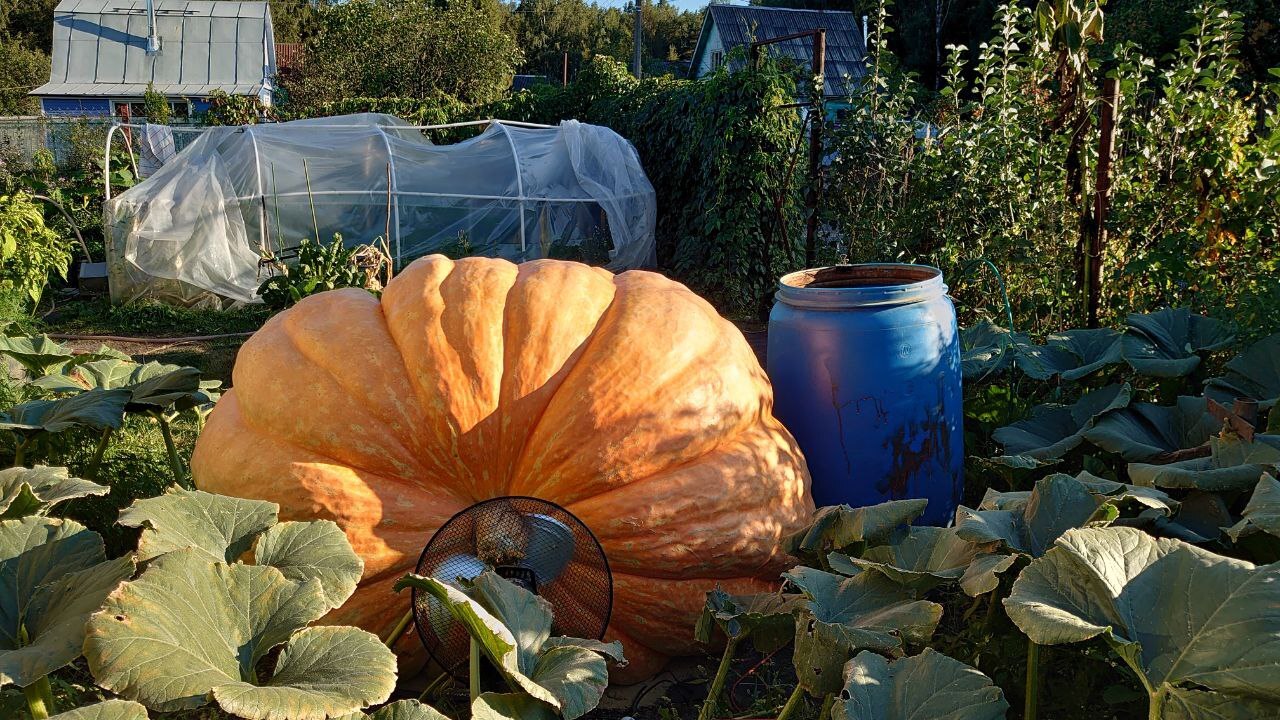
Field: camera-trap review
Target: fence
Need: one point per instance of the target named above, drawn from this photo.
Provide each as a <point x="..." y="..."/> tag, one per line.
<point x="71" y="141"/>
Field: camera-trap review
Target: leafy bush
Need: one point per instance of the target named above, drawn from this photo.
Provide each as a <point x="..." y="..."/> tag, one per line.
<point x="318" y="268"/>
<point x="1003" y="168"/>
<point x="29" y="251"/>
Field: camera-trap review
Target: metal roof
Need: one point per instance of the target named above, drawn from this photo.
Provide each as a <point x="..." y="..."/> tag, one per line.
<point x="740" y="25"/>
<point x="100" y="48"/>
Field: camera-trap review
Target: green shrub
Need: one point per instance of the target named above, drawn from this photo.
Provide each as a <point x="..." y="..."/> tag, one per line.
<point x="319" y="267"/>
<point x="29" y="251"/>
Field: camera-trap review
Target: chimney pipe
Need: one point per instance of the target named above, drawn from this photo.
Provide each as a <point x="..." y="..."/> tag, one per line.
<point x="153" y="39"/>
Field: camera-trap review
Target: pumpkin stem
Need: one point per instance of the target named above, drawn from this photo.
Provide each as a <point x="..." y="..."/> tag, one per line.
<point x="1031" y="697"/>
<point x="473" y="674"/>
<point x="397" y="630"/>
<point x="39" y="696"/>
<point x="793" y="702"/>
<point x="717" y="684"/>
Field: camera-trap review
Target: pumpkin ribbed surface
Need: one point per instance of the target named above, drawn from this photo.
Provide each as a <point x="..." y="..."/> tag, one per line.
<point x="627" y="399"/>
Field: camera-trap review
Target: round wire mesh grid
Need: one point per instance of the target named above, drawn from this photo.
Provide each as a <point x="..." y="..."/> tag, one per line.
<point x="532" y="542"/>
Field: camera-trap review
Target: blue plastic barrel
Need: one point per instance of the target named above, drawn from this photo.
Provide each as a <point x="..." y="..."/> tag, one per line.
<point x="865" y="365"/>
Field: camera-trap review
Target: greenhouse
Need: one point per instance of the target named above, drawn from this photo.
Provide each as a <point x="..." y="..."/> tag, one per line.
<point x="199" y="229"/>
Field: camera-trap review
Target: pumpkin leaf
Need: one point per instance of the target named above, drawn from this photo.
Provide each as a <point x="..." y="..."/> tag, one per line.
<point x="527" y="616"/>
<point x="921" y="558"/>
<point x="318" y="549"/>
<point x="1143" y="431"/>
<point x="108" y="710"/>
<point x="611" y="650"/>
<point x="843" y="615"/>
<point x="1092" y="350"/>
<point x="928" y="686"/>
<point x="1262" y="514"/>
<point x="32" y="491"/>
<point x="222" y="527"/>
<point x="1253" y="374"/>
<point x="153" y="386"/>
<point x="98" y="409"/>
<point x="768" y="618"/>
<point x="986" y="349"/>
<point x="53" y="575"/>
<point x="320" y="672"/>
<point x="510" y="706"/>
<point x="1054" y="430"/>
<point x="1057" y="504"/>
<point x="1234" y="465"/>
<point x="36" y="354"/>
<point x="1043" y="362"/>
<point x="1184" y="619"/>
<point x="1167" y="343"/>
<point x="576" y="676"/>
<point x="191" y="627"/>
<point x="494" y="638"/>
<point x="840" y="527"/>
<point x="399" y="710"/>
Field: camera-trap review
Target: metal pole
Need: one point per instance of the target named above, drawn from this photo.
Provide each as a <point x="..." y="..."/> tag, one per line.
<point x="638" y="36"/>
<point x="564" y="70"/>
<point x="817" y="118"/>
<point x="1101" y="197"/>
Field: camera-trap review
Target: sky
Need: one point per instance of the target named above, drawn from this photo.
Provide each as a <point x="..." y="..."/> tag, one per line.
<point x="682" y="4"/>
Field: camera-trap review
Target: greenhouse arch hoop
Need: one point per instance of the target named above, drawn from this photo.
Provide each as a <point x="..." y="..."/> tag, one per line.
<point x="516" y="190"/>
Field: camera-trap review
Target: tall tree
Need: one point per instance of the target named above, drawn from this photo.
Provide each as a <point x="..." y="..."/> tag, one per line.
<point x="407" y="48"/>
<point x="21" y="69"/>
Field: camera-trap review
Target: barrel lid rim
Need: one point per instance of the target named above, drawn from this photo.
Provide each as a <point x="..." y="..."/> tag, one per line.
<point x="906" y="283"/>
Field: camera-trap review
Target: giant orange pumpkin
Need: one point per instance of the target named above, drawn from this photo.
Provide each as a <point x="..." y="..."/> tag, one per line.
<point x="626" y="399"/>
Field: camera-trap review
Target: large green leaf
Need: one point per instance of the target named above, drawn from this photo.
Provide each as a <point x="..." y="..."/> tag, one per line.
<point x="768" y="618"/>
<point x="1168" y="343"/>
<point x="37" y="354"/>
<point x="840" y="527"/>
<point x="526" y="616"/>
<point x="153" y="386"/>
<point x="1253" y="374"/>
<point x="1233" y="465"/>
<point x="32" y="491"/>
<point x="1184" y="619"/>
<point x="318" y="549"/>
<point x="399" y="710"/>
<point x="98" y="409"/>
<point x="1262" y="514"/>
<point x="1057" y="504"/>
<point x="222" y="527"/>
<point x="1143" y="431"/>
<point x="986" y="349"/>
<point x="495" y="640"/>
<point x="576" y="676"/>
<point x="843" y="615"/>
<point x="109" y="710"/>
<point x="510" y="706"/>
<point x="191" y="628"/>
<point x="1054" y="430"/>
<point x="53" y="575"/>
<point x="1091" y="350"/>
<point x="928" y="686"/>
<point x="921" y="558"/>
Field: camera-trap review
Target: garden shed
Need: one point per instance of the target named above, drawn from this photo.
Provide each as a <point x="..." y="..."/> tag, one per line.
<point x="197" y="229"/>
<point x="107" y="52"/>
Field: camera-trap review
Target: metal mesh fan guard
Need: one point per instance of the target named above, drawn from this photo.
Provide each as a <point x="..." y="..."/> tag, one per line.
<point x="581" y="593"/>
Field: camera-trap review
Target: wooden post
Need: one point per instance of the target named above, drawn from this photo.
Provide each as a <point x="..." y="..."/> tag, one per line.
<point x="817" y="118"/>
<point x="638" y="37"/>
<point x="1101" y="198"/>
<point x="564" y="70"/>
